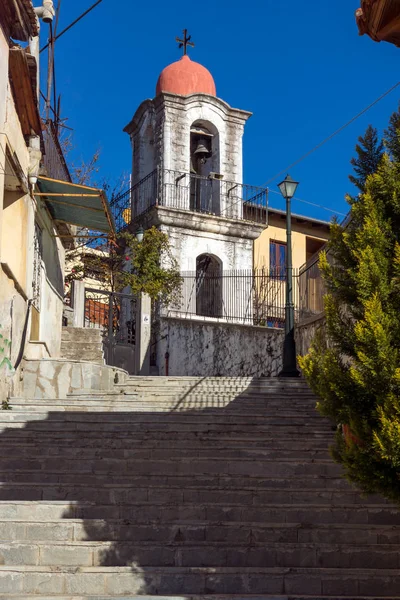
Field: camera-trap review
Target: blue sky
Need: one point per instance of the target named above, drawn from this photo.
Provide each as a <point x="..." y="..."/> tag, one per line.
<point x="300" y="67"/>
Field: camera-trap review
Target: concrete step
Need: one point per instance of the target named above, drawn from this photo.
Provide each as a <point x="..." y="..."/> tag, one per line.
<point x="207" y="597"/>
<point x="118" y="581"/>
<point x="144" y="452"/>
<point x="86" y="354"/>
<point x="68" y="333"/>
<point x="120" y="406"/>
<point x="199" y="554"/>
<point x="89" y="345"/>
<point x="134" y="403"/>
<point x="197" y="421"/>
<point x="59" y="485"/>
<point x="33" y="486"/>
<point x="246" y="535"/>
<point x="25" y="510"/>
<point x="173" y="466"/>
<point x="227" y="420"/>
<point x="209" y="516"/>
<point x="72" y="438"/>
<point x="60" y="440"/>
<point x="263" y="514"/>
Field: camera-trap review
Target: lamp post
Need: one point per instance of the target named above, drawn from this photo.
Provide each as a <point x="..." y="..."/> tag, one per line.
<point x="140" y="234"/>
<point x="288" y="189"/>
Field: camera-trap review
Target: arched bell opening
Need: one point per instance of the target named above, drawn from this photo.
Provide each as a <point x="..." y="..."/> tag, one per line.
<point x="209" y="271"/>
<point x="204" y="168"/>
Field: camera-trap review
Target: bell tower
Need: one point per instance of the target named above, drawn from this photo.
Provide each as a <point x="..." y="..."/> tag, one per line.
<point x="187" y="169"/>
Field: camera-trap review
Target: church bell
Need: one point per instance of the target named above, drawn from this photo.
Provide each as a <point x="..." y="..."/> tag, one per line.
<point x="203" y="149"/>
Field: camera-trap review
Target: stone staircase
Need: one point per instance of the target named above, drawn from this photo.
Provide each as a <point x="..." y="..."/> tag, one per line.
<point x="186" y="488"/>
<point x="80" y="343"/>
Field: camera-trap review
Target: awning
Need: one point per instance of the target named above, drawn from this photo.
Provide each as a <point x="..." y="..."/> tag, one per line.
<point x="77" y="204"/>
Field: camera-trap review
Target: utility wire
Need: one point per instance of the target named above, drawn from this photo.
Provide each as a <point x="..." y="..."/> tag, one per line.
<point x="72" y="24"/>
<point x="334" y="134"/>
<point x="325" y="141"/>
<point x="335" y="212"/>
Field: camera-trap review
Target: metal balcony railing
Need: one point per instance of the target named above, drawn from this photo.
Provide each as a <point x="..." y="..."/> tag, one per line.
<point x="53" y="157"/>
<point x="192" y="193"/>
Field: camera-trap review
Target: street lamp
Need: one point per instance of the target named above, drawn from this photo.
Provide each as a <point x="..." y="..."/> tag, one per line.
<point x="140" y="234"/>
<point x="288" y="189"/>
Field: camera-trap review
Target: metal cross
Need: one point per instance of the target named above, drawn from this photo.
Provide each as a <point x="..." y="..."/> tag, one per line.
<point x="185" y="42"/>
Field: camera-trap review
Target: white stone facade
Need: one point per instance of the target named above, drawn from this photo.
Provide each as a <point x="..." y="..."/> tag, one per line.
<point x="160" y="134"/>
<point x="198" y="202"/>
<point x="161" y="140"/>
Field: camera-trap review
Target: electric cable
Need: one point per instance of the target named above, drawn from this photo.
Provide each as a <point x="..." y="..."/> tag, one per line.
<point x="334" y="134"/>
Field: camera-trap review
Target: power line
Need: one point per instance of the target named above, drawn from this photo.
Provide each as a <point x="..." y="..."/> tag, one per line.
<point x="334" y="134"/>
<point x="72" y="24"/>
<point x="335" y="212"/>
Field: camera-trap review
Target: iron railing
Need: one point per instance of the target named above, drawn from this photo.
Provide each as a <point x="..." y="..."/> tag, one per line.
<point x="190" y="192"/>
<point x="312" y="289"/>
<point x="253" y="297"/>
<point x="111" y="312"/>
<point x="53" y="157"/>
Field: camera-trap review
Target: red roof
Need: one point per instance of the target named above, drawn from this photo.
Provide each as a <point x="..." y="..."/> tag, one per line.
<point x="186" y="77"/>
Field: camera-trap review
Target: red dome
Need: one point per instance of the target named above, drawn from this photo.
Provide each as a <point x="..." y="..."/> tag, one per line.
<point x="186" y="77"/>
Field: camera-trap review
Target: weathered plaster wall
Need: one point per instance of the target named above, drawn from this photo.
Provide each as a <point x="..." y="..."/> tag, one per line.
<point x="187" y="245"/>
<point x="306" y="331"/>
<point x="4" y="53"/>
<point x="199" y="348"/>
<point x="48" y="378"/>
<point x="52" y="289"/>
<point x="18" y="213"/>
<point x="12" y="318"/>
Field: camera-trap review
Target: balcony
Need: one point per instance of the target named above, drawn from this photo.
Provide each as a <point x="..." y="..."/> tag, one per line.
<point x="189" y="192"/>
<point x="54" y="162"/>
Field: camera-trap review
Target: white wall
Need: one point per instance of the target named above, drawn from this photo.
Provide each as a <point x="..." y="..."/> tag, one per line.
<point x="187" y="245"/>
<point x="210" y="349"/>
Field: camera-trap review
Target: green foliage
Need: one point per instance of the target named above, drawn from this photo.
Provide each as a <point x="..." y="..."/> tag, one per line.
<point x="4" y="347"/>
<point x="369" y="154"/>
<point x="392" y="138"/>
<point x="354" y="366"/>
<point x="147" y="275"/>
<point x="133" y="264"/>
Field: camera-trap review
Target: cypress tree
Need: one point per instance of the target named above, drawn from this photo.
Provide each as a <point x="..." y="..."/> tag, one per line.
<point x="354" y="365"/>
<point x="369" y="154"/>
<point x="392" y="136"/>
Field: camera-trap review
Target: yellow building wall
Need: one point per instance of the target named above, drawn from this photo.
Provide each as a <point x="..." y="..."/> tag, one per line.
<point x="276" y="231"/>
<point x="15" y="236"/>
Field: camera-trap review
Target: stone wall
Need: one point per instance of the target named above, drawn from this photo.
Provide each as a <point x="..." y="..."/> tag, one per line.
<point x="188" y="243"/>
<point x="305" y="333"/>
<point x="56" y="378"/>
<point x="13" y="309"/>
<point x="201" y="348"/>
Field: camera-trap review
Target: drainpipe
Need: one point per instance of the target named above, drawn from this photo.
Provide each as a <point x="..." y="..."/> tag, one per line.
<point x="167" y="364"/>
<point x="45" y="12"/>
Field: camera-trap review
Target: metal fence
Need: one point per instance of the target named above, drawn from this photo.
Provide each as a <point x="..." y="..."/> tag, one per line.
<point x="312" y="289"/>
<point x="190" y="192"/>
<point x="254" y="297"/>
<point x="53" y="157"/>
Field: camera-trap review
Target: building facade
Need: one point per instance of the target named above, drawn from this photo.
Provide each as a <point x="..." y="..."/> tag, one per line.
<point x="188" y="171"/>
<point x="31" y="256"/>
<point x="308" y="237"/>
